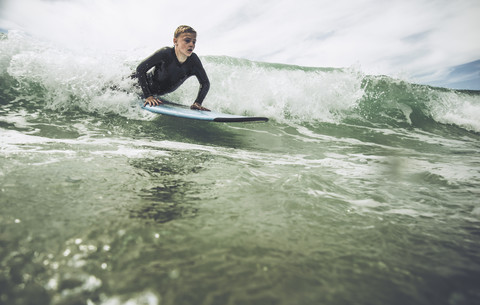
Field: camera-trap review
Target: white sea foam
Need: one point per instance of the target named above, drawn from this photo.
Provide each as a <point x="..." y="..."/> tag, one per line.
<point x="456" y="108"/>
<point x="146" y="298"/>
<point x="283" y="92"/>
<point x="14" y="142"/>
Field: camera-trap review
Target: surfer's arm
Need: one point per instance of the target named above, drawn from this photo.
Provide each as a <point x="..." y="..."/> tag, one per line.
<point x="142" y="69"/>
<point x="141" y="74"/>
<point x="203" y="80"/>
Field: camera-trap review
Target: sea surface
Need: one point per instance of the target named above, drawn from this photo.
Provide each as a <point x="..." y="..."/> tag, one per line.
<point x="360" y="189"/>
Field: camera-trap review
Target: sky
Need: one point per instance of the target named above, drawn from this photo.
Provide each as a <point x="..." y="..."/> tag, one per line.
<point x="424" y="41"/>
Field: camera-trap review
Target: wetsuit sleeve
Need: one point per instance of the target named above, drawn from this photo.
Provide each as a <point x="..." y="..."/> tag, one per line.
<point x="202" y="79"/>
<point x="143" y="68"/>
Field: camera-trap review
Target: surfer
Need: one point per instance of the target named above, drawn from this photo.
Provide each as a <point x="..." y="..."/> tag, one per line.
<point x="165" y="70"/>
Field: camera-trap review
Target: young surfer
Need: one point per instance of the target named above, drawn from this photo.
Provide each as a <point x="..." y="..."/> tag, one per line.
<point x="171" y="67"/>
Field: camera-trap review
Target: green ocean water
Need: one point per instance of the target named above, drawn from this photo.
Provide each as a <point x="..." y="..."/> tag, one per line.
<point x="359" y="190"/>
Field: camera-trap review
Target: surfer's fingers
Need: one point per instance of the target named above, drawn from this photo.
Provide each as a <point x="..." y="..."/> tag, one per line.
<point x="152" y="102"/>
<point x="197" y="106"/>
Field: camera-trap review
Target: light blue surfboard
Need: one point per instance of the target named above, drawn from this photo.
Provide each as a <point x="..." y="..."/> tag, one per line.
<point x="187" y="113"/>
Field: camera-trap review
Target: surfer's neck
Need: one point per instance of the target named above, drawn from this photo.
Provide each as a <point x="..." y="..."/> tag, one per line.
<point x="180" y="57"/>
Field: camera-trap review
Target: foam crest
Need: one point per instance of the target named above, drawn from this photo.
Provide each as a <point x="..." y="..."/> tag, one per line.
<point x="282" y="92"/>
<point x="66" y="79"/>
<point x="461" y="109"/>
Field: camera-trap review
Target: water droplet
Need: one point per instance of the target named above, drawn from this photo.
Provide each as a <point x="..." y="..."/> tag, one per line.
<point x="52" y="284"/>
<point x="174" y="274"/>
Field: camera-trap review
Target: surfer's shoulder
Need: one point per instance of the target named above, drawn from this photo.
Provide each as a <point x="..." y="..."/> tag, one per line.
<point x="165" y="54"/>
<point x="165" y="51"/>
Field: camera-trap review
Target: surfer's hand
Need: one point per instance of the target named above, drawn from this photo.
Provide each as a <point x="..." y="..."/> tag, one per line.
<point x="197" y="106"/>
<point x="152" y="101"/>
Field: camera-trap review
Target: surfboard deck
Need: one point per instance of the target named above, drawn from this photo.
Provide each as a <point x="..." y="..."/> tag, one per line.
<point x="182" y="111"/>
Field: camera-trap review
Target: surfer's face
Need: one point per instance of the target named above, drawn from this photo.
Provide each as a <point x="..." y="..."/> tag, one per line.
<point x="185" y="43"/>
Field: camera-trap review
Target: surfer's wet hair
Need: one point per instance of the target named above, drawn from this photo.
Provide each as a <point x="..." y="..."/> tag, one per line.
<point x="184" y="29"/>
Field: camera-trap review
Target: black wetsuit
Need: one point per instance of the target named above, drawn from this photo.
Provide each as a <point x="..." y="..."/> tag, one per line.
<point x="168" y="73"/>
